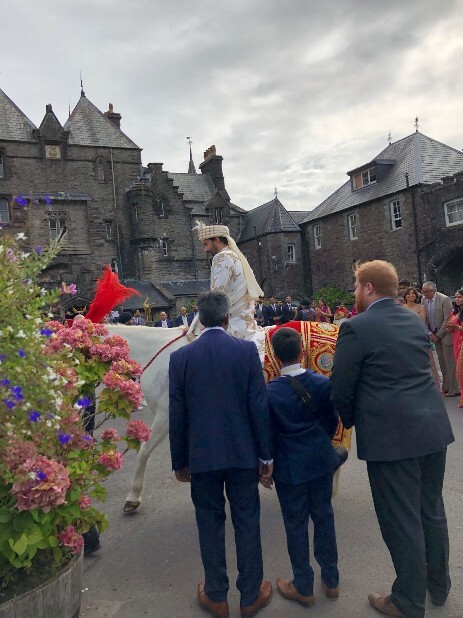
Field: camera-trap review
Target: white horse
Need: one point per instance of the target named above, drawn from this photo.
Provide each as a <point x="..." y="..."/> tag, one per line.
<point x="144" y="343"/>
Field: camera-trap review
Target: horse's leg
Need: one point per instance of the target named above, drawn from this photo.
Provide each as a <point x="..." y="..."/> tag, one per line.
<point x="159" y="430"/>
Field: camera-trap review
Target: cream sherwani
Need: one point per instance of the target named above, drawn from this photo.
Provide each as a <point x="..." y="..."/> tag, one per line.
<point x="227" y="276"/>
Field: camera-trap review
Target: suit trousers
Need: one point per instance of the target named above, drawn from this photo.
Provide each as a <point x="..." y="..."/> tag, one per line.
<point x="299" y="503"/>
<point x="446" y="357"/>
<point x="207" y="493"/>
<point x="408" y="502"/>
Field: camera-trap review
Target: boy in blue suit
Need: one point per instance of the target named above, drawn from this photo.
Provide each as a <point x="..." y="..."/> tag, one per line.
<point x="303" y="464"/>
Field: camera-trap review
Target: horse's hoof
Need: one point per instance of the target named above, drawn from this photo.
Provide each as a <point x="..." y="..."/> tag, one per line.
<point x="130" y="507"/>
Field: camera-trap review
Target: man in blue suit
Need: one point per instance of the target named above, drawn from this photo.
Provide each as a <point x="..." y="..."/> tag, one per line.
<point x="304" y="462"/>
<point x="219" y="428"/>
<point x="183" y="319"/>
<point x="164" y="322"/>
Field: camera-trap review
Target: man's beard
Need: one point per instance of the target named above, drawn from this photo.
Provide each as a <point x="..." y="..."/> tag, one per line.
<point x="361" y="307"/>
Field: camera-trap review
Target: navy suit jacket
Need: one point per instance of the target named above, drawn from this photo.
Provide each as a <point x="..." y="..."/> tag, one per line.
<point x="179" y="321"/>
<point x="158" y="324"/>
<point x="382" y="384"/>
<point x="218" y="406"/>
<point x="287" y="314"/>
<point x="270" y="313"/>
<point x="302" y="449"/>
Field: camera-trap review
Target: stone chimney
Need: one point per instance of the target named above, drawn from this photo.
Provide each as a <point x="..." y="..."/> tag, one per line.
<point x="212" y="165"/>
<point x="113" y="116"/>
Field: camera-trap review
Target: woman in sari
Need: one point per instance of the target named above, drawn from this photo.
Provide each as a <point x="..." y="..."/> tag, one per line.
<point x="455" y="325"/>
<point x="412" y="302"/>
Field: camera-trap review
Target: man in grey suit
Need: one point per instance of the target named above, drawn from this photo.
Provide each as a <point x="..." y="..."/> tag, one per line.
<point x="382" y="384"/>
<point x="438" y="309"/>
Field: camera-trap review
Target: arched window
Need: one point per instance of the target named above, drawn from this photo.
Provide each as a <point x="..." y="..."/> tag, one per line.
<point x="100" y="164"/>
<point x="4" y="210"/>
<point x="162" y="207"/>
<point x="2" y="166"/>
<point x="114" y="265"/>
<point x="57" y="225"/>
<point x="165" y="248"/>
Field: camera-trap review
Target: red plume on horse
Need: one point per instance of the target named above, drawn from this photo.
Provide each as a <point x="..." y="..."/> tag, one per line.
<point x="109" y="293"/>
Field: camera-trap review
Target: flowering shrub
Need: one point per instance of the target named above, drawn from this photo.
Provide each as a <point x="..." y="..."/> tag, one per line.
<point x="51" y="470"/>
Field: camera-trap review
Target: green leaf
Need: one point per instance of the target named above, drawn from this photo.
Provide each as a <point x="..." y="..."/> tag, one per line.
<point x="53" y="541"/>
<point x="5" y="515"/>
<point x="22" y="521"/>
<point x="34" y="535"/>
<point x="31" y="551"/>
<point x="20" y="546"/>
<point x="57" y="554"/>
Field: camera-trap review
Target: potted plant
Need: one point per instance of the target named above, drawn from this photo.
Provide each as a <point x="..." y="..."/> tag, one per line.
<point x="51" y="469"/>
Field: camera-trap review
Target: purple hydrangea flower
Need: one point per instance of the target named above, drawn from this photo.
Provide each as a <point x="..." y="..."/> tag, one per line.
<point x="5" y="382"/>
<point x="9" y="404"/>
<point x="84" y="402"/>
<point x="17" y="392"/>
<point x="38" y="250"/>
<point x="46" y="331"/>
<point x="21" y="353"/>
<point x="34" y="416"/>
<point x="63" y="438"/>
<point x="20" y="200"/>
<point x="41" y="475"/>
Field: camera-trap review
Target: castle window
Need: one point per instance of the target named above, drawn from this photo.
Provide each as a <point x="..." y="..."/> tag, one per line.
<point x="135" y="210"/>
<point x="57" y="226"/>
<point x="114" y="265"/>
<point x="108" y="229"/>
<point x="454" y="212"/>
<point x="4" y="210"/>
<point x="100" y="164"/>
<point x="218" y="215"/>
<point x="317" y="238"/>
<point x="396" y="216"/>
<point x="364" y="178"/>
<point x="2" y="166"/>
<point x="352" y="224"/>
<point x="162" y="207"/>
<point x="291" y="253"/>
<point x="164" y="247"/>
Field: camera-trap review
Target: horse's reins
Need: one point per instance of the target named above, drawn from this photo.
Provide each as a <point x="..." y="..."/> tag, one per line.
<point x="162" y="350"/>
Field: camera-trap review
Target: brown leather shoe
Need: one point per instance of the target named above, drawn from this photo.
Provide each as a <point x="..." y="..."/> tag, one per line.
<point x="218" y="610"/>
<point x="384" y="605"/>
<point x="331" y="593"/>
<point x="264" y="598"/>
<point x="288" y="591"/>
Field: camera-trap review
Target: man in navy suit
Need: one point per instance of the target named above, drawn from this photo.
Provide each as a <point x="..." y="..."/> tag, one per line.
<point x="219" y="428"/>
<point x="164" y="322"/>
<point x="288" y="312"/>
<point x="382" y="383"/>
<point x="272" y="312"/>
<point x="183" y="319"/>
<point x="304" y="462"/>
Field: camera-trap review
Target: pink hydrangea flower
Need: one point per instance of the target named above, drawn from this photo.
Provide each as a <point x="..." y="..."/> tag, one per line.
<point x="111" y="460"/>
<point x="84" y="502"/>
<point x="71" y="538"/>
<point x="128" y="388"/>
<point x="40" y="483"/>
<point x="111" y="435"/>
<point x="17" y="453"/>
<point x="138" y="430"/>
<point x="128" y="367"/>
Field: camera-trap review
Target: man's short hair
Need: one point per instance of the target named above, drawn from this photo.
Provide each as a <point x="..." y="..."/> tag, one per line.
<point x="124" y="317"/>
<point x="429" y="284"/>
<point x="286" y="343"/>
<point x="404" y="282"/>
<point x="382" y="276"/>
<point x="214" y="308"/>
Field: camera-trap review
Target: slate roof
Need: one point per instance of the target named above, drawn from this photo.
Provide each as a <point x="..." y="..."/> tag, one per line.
<point x="14" y="124"/>
<point x="185" y="288"/>
<point x="90" y="127"/>
<point x="146" y="289"/>
<point x="195" y="187"/>
<point x="298" y="215"/>
<point x="269" y="218"/>
<point x="424" y="159"/>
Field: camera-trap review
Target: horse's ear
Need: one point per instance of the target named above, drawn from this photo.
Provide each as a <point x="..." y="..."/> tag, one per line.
<point x="109" y="293"/>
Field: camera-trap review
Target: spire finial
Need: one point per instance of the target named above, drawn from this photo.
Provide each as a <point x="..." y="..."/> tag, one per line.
<point x="417" y="126"/>
<point x="389" y="137"/>
<point x="275" y="191"/>
<point x="82" y="93"/>
<point x="191" y="165"/>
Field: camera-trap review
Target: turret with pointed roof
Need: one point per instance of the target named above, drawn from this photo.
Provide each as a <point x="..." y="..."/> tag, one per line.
<point x="14" y="124"/>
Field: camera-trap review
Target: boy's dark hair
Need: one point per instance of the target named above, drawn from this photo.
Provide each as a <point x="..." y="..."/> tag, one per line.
<point x="125" y="317"/>
<point x="214" y="308"/>
<point x="287" y="345"/>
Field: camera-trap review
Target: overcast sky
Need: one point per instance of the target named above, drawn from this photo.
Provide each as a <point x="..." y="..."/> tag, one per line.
<point x="293" y="93"/>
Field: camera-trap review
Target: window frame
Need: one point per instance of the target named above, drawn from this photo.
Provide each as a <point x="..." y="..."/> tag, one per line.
<point x="7" y="210"/>
<point x="352" y="225"/>
<point x="459" y="202"/>
<point x="162" y="204"/>
<point x="291" y="247"/>
<point x="108" y="229"/>
<point x="165" y="247"/>
<point x="317" y="235"/>
<point x="218" y="215"/>
<point x="58" y="217"/>
<point x="360" y="175"/>
<point x="394" y="218"/>
<point x="100" y="165"/>
<point x="2" y="165"/>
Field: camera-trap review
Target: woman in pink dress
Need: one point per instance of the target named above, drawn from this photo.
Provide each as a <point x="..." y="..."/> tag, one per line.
<point x="323" y="311"/>
<point x="455" y="325"/>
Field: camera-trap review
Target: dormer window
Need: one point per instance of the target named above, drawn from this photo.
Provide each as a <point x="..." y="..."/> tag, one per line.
<point x="364" y="178"/>
<point x="218" y="216"/>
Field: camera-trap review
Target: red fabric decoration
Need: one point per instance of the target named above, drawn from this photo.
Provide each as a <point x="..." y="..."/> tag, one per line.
<point x="109" y="293"/>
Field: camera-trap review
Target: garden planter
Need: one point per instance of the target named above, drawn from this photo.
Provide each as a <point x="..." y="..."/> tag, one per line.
<point x="58" y="597"/>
